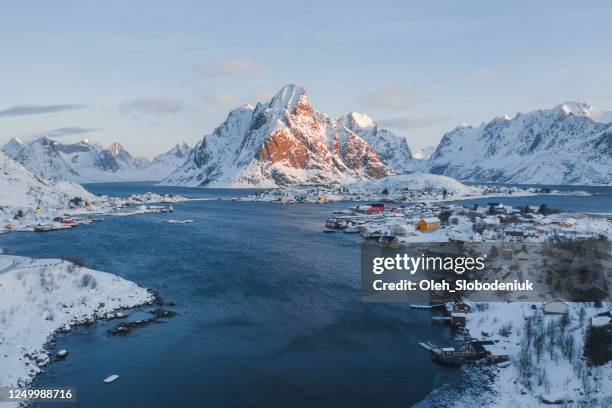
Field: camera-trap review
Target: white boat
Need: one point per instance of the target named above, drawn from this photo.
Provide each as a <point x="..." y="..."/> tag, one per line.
<point x="178" y="221"/>
<point x="110" y="378"/>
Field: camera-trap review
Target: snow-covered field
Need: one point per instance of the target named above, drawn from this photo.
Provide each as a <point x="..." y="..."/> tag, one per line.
<point x="40" y="296"/>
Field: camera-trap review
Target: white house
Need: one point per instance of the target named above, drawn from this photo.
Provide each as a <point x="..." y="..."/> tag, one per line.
<point x="556" y="308"/>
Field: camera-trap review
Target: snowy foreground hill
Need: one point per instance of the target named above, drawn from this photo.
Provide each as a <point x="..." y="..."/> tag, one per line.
<point x="564" y="145"/>
<point x="547" y="352"/>
<point x="285" y="141"/>
<point x="21" y="189"/>
<point x="415" y="182"/>
<point x="86" y="162"/>
<point x="41" y="296"/>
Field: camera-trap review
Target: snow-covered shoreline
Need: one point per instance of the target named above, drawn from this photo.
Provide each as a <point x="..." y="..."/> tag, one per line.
<point x="554" y="373"/>
<point x="43" y="296"/>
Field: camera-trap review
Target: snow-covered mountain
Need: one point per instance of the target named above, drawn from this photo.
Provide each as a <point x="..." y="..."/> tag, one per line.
<point x="285" y="141"/>
<point x="19" y="188"/>
<point x="424" y="154"/>
<point x="42" y="158"/>
<point x="90" y="162"/>
<point x="562" y="145"/>
<point x="392" y="150"/>
<point x="164" y="164"/>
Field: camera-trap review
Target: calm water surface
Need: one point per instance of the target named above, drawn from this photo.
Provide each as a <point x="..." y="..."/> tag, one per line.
<point x="269" y="312"/>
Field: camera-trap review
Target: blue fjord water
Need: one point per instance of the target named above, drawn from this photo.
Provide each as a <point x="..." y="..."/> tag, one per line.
<point x="268" y="311"/>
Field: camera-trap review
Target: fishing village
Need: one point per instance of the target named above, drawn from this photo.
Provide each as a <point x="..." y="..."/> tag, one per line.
<point x="514" y="231"/>
<point x="80" y="211"/>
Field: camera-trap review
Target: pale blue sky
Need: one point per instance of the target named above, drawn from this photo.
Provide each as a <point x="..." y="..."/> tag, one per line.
<point x="149" y="74"/>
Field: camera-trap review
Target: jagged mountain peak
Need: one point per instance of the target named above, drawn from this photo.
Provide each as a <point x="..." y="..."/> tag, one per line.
<point x="12" y="147"/>
<point x="286" y="141"/>
<point x="181" y="149"/>
<point x="116" y="148"/>
<point x="289" y="97"/>
<point x="577" y="108"/>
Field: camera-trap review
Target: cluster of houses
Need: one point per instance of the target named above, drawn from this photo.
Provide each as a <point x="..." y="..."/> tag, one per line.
<point x="451" y="222"/>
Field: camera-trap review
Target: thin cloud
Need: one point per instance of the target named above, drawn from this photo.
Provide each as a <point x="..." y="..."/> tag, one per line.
<point x="68" y="131"/>
<point x="159" y="105"/>
<point x="25" y="110"/>
<point x="221" y="99"/>
<point x="410" y="123"/>
<point x="235" y="67"/>
<point x="390" y="96"/>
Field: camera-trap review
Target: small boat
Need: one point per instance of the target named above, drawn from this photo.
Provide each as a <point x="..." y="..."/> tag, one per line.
<point x="178" y="221"/>
<point x="62" y="354"/>
<point x="50" y="227"/>
<point x="110" y="378"/>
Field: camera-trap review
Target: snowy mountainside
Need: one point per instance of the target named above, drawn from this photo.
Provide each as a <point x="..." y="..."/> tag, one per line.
<point x="164" y="164"/>
<point x="563" y="145"/>
<point x="12" y="147"/>
<point x="42" y="158"/>
<point x="392" y="150"/>
<point x="281" y="142"/>
<point x="21" y="189"/>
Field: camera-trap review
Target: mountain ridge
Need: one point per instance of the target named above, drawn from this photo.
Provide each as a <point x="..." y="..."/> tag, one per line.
<point x="562" y="145"/>
<point x="84" y="161"/>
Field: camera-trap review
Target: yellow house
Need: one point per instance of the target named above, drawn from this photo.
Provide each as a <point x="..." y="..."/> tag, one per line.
<point x="428" y="224"/>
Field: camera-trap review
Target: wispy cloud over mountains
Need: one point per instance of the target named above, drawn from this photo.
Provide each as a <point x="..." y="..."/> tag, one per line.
<point x="68" y="131"/>
<point x="25" y="110"/>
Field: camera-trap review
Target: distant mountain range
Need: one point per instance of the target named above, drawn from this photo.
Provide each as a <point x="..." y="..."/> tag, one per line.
<point x="86" y="162"/>
<point x="286" y="141"/>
